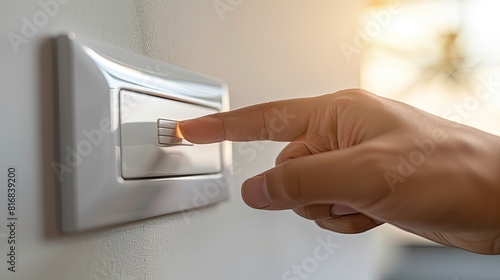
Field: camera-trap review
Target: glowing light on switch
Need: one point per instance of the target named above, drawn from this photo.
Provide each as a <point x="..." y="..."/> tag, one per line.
<point x="169" y="133"/>
<point x="178" y="132"/>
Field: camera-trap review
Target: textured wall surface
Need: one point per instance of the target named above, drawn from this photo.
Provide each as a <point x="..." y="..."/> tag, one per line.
<point x="264" y="50"/>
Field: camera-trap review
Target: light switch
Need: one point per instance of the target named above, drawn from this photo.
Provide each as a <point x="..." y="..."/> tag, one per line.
<point x="121" y="156"/>
<point x="150" y="143"/>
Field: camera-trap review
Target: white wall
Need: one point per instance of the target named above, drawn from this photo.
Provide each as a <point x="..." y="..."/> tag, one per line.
<point x="265" y="50"/>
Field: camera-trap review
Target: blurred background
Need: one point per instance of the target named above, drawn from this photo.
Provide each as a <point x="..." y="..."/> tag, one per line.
<point x="444" y="58"/>
<point x="441" y="56"/>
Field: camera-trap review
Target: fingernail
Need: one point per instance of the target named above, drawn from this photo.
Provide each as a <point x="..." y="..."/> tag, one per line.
<point x="341" y="210"/>
<point x="254" y="192"/>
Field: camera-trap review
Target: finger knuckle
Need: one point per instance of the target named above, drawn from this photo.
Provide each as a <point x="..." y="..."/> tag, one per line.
<point x="348" y="98"/>
<point x="354" y="94"/>
<point x="292" y="186"/>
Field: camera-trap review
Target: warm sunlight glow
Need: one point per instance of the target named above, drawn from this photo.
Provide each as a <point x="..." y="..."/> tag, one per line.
<point x="440" y="56"/>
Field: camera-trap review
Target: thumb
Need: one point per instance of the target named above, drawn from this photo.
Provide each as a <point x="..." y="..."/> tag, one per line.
<point x="347" y="176"/>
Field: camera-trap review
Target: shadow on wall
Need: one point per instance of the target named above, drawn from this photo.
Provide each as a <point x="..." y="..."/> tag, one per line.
<point x="49" y="133"/>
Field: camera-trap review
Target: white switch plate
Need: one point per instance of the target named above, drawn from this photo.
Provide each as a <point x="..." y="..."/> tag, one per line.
<point x="94" y="192"/>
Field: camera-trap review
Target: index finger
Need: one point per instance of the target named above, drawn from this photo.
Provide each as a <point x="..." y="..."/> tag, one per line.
<point x="282" y="120"/>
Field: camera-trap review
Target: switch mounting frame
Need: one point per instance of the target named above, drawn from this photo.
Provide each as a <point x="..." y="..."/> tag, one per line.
<point x="88" y="166"/>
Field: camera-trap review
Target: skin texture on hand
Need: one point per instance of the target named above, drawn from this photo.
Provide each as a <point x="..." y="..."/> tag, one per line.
<point x="356" y="160"/>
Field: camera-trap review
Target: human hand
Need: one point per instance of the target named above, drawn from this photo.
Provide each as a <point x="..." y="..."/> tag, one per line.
<point x="357" y="160"/>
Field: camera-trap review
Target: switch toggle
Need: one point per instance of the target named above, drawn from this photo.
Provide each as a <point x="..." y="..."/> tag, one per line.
<point x="169" y="133"/>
